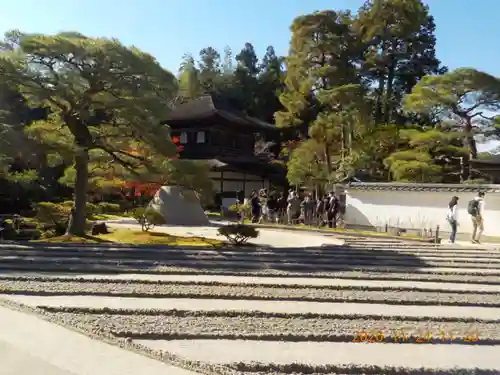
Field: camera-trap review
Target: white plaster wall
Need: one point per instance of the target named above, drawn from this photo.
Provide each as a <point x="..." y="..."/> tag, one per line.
<point x="417" y="210"/>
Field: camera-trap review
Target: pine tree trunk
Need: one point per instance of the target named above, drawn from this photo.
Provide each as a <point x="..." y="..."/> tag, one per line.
<point x="76" y="225"/>
<point x="470" y="143"/>
<point x="387" y="112"/>
<point x="328" y="161"/>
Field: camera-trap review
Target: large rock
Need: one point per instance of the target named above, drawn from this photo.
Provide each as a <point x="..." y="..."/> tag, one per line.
<point x="179" y="206"/>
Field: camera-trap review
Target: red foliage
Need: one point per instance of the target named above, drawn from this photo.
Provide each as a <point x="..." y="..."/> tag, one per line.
<point x="147" y="189"/>
<point x="178" y="147"/>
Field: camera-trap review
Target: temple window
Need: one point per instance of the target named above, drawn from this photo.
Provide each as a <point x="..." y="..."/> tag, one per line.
<point x="183" y="138"/>
<point x="200" y="137"/>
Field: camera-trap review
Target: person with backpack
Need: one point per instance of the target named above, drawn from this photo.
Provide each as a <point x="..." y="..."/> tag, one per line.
<point x="452" y="218"/>
<point x="476" y="212"/>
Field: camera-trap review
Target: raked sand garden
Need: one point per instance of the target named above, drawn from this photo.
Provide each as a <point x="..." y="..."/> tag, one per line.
<point x="369" y="306"/>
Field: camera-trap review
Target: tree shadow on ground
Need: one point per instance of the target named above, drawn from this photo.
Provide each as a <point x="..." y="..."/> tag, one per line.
<point x="115" y="258"/>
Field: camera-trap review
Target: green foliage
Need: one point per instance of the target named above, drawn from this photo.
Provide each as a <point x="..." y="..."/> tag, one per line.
<point x="53" y="216"/>
<point x="462" y="99"/>
<point x="148" y="218"/>
<point x="476" y="181"/>
<point x="307" y="164"/>
<point x="426" y="156"/>
<point x="91" y="209"/>
<point x="106" y="103"/>
<point x="109" y="208"/>
<point x="238" y="234"/>
<point x="242" y="209"/>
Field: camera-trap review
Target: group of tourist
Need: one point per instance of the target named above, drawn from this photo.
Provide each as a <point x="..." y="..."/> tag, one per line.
<point x="294" y="209"/>
<point x="322" y="211"/>
<point x="475" y="209"/>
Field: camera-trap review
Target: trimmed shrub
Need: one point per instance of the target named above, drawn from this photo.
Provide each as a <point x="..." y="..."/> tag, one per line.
<point x="148" y="218"/>
<point x="109" y="208"/>
<point x="238" y="234"/>
<point x="53" y="216"/>
<point x="91" y="208"/>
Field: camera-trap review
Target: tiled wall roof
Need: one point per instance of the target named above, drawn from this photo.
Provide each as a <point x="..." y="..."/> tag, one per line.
<point x="374" y="186"/>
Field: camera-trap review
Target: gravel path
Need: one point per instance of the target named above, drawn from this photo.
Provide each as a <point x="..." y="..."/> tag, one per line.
<point x="273" y="306"/>
<point x="253" y="268"/>
<point x="327" y="263"/>
<point x="363" y="276"/>
<point x="486" y="313"/>
<point x="396" y="355"/>
<point x="273" y="281"/>
<point x="257" y="292"/>
<point x="270" y="328"/>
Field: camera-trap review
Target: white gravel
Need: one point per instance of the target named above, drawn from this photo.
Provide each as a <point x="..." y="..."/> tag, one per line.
<point x="52" y="350"/>
<point x="286" y="281"/>
<point x="264" y="306"/>
<point x="397" y="355"/>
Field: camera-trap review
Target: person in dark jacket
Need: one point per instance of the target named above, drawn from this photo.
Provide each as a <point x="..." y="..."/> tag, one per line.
<point x="452" y="218"/>
<point x="255" y="206"/>
<point x="333" y="210"/>
<point x="281" y="207"/>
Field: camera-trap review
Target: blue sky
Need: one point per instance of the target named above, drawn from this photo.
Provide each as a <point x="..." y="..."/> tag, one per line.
<point x="466" y="30"/>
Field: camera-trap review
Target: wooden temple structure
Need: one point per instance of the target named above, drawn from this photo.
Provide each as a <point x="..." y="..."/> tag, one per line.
<point x="209" y="129"/>
<point x="489" y="167"/>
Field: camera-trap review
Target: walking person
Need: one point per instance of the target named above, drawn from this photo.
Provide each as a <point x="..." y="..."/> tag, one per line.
<point x="476" y="212"/>
<point x="255" y="206"/>
<point x="333" y="210"/>
<point x="293" y="208"/>
<point x="307" y="207"/>
<point x="282" y="203"/>
<point x="452" y="218"/>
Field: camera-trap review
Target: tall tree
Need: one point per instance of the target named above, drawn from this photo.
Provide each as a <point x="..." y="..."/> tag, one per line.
<point x="465" y="100"/>
<point x="227" y="61"/>
<point x="323" y="95"/>
<point x="399" y="48"/>
<point x="209" y="66"/>
<point x="320" y="58"/>
<point x="105" y="99"/>
<point x="271" y="84"/>
<point x="189" y="78"/>
<point x="245" y="78"/>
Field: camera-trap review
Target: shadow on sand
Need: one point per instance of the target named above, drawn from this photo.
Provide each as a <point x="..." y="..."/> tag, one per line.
<point x="115" y="258"/>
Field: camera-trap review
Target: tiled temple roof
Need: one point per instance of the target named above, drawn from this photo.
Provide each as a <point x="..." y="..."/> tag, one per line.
<point x="209" y="106"/>
<point x="390" y="186"/>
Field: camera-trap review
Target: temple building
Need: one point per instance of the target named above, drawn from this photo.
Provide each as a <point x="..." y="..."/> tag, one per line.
<point x="489" y="167"/>
<point x="209" y="129"/>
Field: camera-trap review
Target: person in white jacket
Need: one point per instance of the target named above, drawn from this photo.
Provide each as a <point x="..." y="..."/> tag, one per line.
<point x="453" y="218"/>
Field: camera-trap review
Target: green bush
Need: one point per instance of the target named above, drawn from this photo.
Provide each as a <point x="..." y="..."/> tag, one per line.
<point x="109" y="208"/>
<point x="155" y="217"/>
<point x="238" y="234"/>
<point x="138" y="213"/>
<point x="53" y="216"/>
<point x="90" y="210"/>
<point x="242" y="209"/>
<point x="148" y="218"/>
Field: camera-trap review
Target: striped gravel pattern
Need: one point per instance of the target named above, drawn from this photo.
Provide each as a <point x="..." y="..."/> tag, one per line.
<point x="366" y="307"/>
